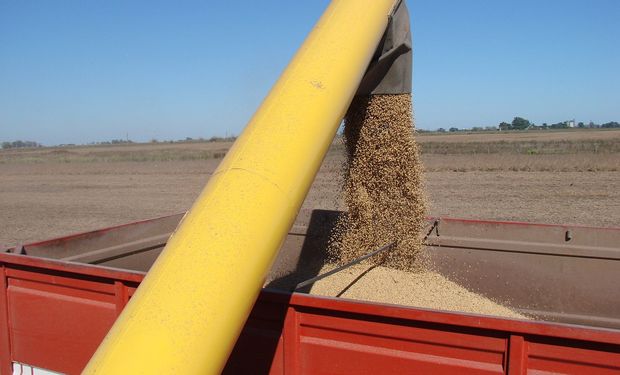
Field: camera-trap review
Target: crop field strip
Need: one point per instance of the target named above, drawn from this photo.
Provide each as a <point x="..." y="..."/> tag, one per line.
<point x="597" y="150"/>
<point x="46" y="193"/>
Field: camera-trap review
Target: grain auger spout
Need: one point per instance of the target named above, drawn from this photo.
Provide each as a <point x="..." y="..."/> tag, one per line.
<point x="188" y="312"/>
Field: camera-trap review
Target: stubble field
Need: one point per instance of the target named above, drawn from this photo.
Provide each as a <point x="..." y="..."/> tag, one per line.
<point x="569" y="177"/>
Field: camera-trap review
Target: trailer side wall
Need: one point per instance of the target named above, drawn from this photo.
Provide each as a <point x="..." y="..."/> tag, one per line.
<point x="54" y="314"/>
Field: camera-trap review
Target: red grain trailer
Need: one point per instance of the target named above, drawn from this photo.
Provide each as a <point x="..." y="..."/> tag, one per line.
<point x="59" y="298"/>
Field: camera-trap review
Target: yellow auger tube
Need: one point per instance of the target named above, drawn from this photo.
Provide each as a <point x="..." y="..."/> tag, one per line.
<point x="188" y="312"/>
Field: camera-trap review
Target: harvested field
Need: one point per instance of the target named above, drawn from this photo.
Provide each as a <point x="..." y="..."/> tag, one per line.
<point x="143" y="152"/>
<point x="581" y="198"/>
<point x="515" y="137"/>
<point x="522" y="163"/>
<point x="50" y="197"/>
<point x="40" y="201"/>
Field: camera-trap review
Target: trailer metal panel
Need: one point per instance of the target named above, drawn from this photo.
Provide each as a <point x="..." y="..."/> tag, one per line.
<point x="536" y="269"/>
<point x="56" y="313"/>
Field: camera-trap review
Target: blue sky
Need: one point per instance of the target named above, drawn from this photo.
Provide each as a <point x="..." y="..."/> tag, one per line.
<point x="82" y="71"/>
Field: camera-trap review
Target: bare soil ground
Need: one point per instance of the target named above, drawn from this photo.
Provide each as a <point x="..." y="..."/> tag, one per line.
<point x="51" y="192"/>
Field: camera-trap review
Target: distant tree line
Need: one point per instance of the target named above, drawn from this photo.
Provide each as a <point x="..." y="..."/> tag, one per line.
<point x="111" y="142"/>
<point x="611" y="124"/>
<point x="473" y="129"/>
<point x="24" y="144"/>
<point x="190" y="139"/>
<point x="20" y="144"/>
<point x="520" y="123"/>
<point x="155" y="140"/>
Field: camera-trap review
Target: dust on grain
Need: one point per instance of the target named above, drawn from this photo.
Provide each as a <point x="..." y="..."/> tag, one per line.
<point x="383" y="188"/>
